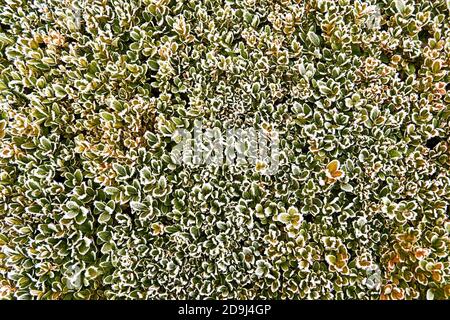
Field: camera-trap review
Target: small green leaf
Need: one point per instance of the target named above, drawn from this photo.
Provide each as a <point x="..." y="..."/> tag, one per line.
<point x="394" y="154"/>
<point x="400" y="5"/>
<point x="256" y="87"/>
<point x="104" y="218"/>
<point x="121" y="171"/>
<point x="45" y="143"/>
<point x="153" y="65"/>
<point x="346" y="187"/>
<point x="107" y="116"/>
<point x="430" y="294"/>
<point x="138" y="206"/>
<point x="111" y="191"/>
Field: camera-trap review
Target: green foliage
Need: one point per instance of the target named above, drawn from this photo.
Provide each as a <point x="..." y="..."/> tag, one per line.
<point x="93" y="206"/>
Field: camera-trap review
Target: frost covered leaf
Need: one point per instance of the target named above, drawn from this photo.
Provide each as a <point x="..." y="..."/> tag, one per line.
<point x="224" y="149"/>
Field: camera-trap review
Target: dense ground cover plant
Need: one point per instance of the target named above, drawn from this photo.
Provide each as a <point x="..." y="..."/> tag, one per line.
<point x="93" y="205"/>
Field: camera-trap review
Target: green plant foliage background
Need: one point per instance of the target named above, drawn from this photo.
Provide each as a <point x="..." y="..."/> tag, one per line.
<point x="93" y="206"/>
